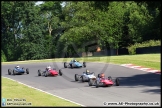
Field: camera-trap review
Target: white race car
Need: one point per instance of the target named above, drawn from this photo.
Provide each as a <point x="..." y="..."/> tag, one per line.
<point x="86" y="76"/>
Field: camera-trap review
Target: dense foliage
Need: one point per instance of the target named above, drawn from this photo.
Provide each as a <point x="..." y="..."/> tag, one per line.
<point x="49" y="30"/>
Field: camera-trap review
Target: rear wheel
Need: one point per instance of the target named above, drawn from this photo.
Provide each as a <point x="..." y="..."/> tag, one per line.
<point x="65" y="65"/>
<point x="45" y="74"/>
<point x="27" y="71"/>
<point x="9" y="71"/>
<point x="84" y="64"/>
<point x="117" y="82"/>
<point x="60" y="72"/>
<point x="90" y="83"/>
<point x="76" y="77"/>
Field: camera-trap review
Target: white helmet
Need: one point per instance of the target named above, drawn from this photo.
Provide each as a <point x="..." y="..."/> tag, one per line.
<point x="48" y="67"/>
<point x="17" y="66"/>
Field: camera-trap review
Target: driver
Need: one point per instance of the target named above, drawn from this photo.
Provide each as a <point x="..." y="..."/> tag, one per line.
<point x="48" y="68"/>
<point x="17" y="66"/>
<point x="102" y="76"/>
<point x="87" y="72"/>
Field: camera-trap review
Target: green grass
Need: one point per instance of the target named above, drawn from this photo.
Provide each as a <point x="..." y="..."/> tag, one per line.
<point x="147" y="60"/>
<point x="12" y="89"/>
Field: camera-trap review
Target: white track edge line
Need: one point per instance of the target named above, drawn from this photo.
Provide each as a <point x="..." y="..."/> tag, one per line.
<point x="44" y="91"/>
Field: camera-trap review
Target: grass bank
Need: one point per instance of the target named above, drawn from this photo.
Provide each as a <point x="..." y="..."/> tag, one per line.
<point x="12" y="89"/>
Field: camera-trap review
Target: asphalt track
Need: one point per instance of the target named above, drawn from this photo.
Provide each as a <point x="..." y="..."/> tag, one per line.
<point x="135" y="85"/>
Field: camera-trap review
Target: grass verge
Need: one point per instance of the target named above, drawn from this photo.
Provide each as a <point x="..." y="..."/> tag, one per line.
<point x="12" y="89"/>
<point x="147" y="60"/>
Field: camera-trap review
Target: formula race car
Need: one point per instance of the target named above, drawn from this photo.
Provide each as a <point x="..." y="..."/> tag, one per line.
<point x="86" y="76"/>
<point x="74" y="64"/>
<point x="18" y="71"/>
<point x="49" y="72"/>
<point x="103" y="82"/>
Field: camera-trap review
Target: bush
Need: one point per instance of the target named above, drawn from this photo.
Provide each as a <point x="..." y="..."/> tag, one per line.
<point x="132" y="48"/>
<point x="3" y="57"/>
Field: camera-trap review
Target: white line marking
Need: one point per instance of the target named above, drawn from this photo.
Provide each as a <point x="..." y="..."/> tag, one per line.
<point x="44" y="91"/>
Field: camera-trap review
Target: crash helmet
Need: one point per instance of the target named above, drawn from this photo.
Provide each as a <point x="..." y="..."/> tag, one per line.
<point x="102" y="75"/>
<point x="17" y="66"/>
<point x="48" y="67"/>
<point x="87" y="71"/>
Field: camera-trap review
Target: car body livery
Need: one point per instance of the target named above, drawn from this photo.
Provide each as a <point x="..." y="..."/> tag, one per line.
<point x="84" y="77"/>
<point x="52" y="72"/>
<point x="74" y="64"/>
<point x="103" y="82"/>
<point x="18" y="71"/>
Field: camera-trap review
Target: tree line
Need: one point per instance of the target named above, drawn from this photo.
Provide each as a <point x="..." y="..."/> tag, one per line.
<point x="55" y="28"/>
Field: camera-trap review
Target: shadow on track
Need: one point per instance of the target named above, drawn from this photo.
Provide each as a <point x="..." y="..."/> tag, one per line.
<point x="148" y="79"/>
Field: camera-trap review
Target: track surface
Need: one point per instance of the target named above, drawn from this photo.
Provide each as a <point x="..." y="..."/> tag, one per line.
<point x="136" y="85"/>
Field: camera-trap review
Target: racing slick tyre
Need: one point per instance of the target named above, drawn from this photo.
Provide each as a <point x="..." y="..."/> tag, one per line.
<point x="84" y="64"/>
<point x="117" y="82"/>
<point x="76" y="77"/>
<point x="39" y="72"/>
<point x="27" y="71"/>
<point x="9" y="71"/>
<point x="45" y="74"/>
<point x="110" y="78"/>
<point x="72" y="66"/>
<point x="83" y="79"/>
<point x="14" y="72"/>
<point x="60" y="72"/>
<point x="90" y="83"/>
<point x="96" y="84"/>
<point x="65" y="65"/>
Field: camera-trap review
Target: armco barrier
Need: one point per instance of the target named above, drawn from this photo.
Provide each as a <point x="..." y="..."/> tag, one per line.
<point x="148" y="50"/>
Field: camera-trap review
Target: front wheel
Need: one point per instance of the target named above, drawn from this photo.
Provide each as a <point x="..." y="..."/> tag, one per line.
<point x="65" y="65"/>
<point x="27" y="71"/>
<point x="39" y="72"/>
<point x="72" y="66"/>
<point x="60" y="72"/>
<point x="96" y="84"/>
<point x="76" y="77"/>
<point x="82" y="78"/>
<point x="13" y="72"/>
<point x="9" y="71"/>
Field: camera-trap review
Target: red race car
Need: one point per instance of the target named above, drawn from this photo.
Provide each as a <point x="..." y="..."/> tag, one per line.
<point x="49" y="72"/>
<point x="103" y="82"/>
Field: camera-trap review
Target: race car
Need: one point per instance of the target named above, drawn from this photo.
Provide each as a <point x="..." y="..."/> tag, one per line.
<point x="85" y="76"/>
<point x="18" y="71"/>
<point x="103" y="82"/>
<point x="74" y="64"/>
<point x="49" y="72"/>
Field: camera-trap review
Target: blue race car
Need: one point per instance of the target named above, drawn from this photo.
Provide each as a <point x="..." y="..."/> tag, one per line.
<point x="74" y="64"/>
<point x="18" y="71"/>
<point x="86" y="76"/>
